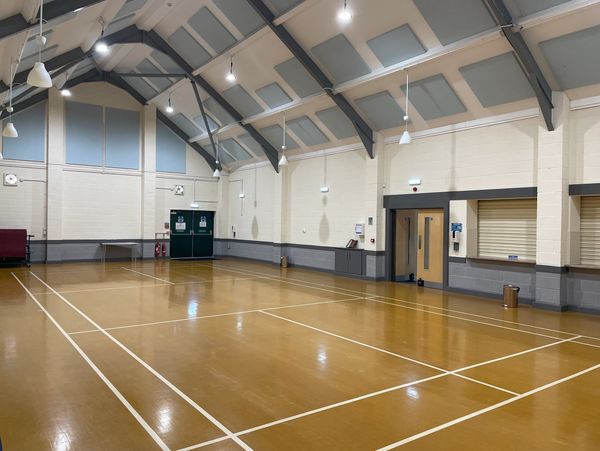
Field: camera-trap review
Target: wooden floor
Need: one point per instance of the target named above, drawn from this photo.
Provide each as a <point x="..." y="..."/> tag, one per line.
<point x="229" y="355"/>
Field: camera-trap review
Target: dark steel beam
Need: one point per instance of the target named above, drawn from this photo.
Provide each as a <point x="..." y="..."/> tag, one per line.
<point x="534" y="74"/>
<point x="201" y="105"/>
<point x="362" y="128"/>
<point x="57" y="62"/>
<point x="37" y="98"/>
<point x="17" y="23"/>
<point x="155" y="41"/>
<point x="87" y="77"/>
<point x="147" y="75"/>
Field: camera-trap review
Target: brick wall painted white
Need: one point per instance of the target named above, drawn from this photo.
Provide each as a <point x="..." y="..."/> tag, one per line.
<point x="584" y="140"/>
<point x="24" y="205"/>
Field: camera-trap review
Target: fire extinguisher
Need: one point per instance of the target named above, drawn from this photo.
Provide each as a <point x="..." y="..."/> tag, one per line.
<point x="157" y="249"/>
<point x="164" y="250"/>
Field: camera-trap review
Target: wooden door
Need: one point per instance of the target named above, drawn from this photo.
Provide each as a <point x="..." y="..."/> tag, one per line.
<point x="430" y="246"/>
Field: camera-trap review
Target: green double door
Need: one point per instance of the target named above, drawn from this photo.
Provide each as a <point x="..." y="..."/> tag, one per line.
<point x="192" y="233"/>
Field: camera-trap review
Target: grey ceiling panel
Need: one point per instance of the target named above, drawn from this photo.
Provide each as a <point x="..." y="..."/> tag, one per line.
<point x="224" y="157"/>
<point x="141" y="86"/>
<point x="166" y="62"/>
<point x="521" y="8"/>
<point x="82" y="68"/>
<point x="235" y="150"/>
<point x="211" y="30"/>
<point x="452" y="20"/>
<point x="298" y="78"/>
<point x="274" y="134"/>
<point x="273" y="95"/>
<point x="240" y="14"/>
<point x="307" y="131"/>
<point x="337" y="122"/>
<point x="130" y="6"/>
<point x="242" y="101"/>
<point x="381" y="110"/>
<point x="199" y="120"/>
<point x="574" y="58"/>
<point x="188" y="48"/>
<point x="396" y="45"/>
<point x="279" y="7"/>
<point x="146" y="66"/>
<point x="119" y="24"/>
<point x="497" y="80"/>
<point x="47" y="53"/>
<point x="186" y="125"/>
<point x="340" y="59"/>
<point x="433" y="98"/>
<point x="218" y="111"/>
<point x="251" y="144"/>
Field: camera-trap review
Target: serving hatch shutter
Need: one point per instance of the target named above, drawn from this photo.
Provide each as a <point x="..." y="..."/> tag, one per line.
<point x="507" y="228"/>
<point x="590" y="230"/>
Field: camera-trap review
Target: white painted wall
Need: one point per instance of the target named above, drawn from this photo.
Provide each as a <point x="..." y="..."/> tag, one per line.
<point x="584" y="141"/>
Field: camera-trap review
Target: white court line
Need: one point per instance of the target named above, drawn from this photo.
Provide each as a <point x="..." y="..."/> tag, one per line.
<point x="100" y="374"/>
<point x="214" y="316"/>
<point x="424" y="306"/>
<point x="147" y="275"/>
<point x="487" y="409"/>
<point x="169" y="384"/>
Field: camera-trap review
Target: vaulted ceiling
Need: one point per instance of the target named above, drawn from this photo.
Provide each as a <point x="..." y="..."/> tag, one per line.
<point x="460" y="65"/>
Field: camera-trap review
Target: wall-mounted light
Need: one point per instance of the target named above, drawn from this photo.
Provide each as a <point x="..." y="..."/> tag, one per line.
<point x="194" y="205"/>
<point x="242" y="195"/>
<point x="324" y="189"/>
<point x="414" y="182"/>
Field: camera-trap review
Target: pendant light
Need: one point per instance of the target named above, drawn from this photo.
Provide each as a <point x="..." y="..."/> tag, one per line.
<point x="217" y="172"/>
<point x="169" y="108"/>
<point x="39" y="76"/>
<point x="345" y="15"/>
<point x="406" y="138"/>
<point x="9" y="130"/>
<point x="101" y="46"/>
<point x="283" y="161"/>
<point x="230" y="77"/>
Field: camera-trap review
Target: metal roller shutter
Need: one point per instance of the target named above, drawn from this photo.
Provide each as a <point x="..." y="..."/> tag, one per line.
<point x="507" y="228"/>
<point x="590" y="231"/>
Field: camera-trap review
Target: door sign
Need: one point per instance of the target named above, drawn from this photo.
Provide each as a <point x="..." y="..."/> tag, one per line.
<point x="202" y="222"/>
<point x="180" y="226"/>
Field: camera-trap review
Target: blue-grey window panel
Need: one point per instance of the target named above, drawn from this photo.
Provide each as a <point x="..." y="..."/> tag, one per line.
<point x="199" y="120"/>
<point x="574" y="58"/>
<point x="340" y="59"/>
<point x="252" y="144"/>
<point x="307" y="131"/>
<point x="119" y="24"/>
<point x="240" y="14"/>
<point x="85" y="134"/>
<point x="273" y="95"/>
<point x="274" y="134"/>
<point x="396" y="45"/>
<point x="224" y="157"/>
<point x="141" y="86"/>
<point x="521" y="8"/>
<point x="30" y="145"/>
<point x="47" y="53"/>
<point x="298" y="77"/>
<point x="211" y="30"/>
<point x="188" y="127"/>
<point x="188" y="48"/>
<point x="235" y="150"/>
<point x="497" y="80"/>
<point x="130" y="6"/>
<point x="382" y="110"/>
<point x="170" y="150"/>
<point x="452" y="20"/>
<point x="166" y="62"/>
<point x="242" y="101"/>
<point x="146" y="66"/>
<point x="337" y="122"/>
<point x="122" y="138"/>
<point x="433" y="98"/>
<point x="218" y="111"/>
<point x="279" y="7"/>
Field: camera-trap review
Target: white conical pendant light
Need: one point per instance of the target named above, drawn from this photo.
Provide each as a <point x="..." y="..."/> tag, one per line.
<point x="217" y="172"/>
<point x="9" y="129"/>
<point x="406" y="138"/>
<point x="39" y="76"/>
<point x="283" y="161"/>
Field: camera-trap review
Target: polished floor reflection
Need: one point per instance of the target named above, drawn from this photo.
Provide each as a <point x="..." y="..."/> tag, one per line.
<point x="233" y="355"/>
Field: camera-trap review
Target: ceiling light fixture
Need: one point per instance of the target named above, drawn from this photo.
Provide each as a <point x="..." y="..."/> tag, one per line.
<point x="39" y="76"/>
<point x="230" y="77"/>
<point x="217" y="172"/>
<point x="101" y="46"/>
<point x="9" y="130"/>
<point x="65" y="93"/>
<point x="283" y="160"/>
<point x="345" y="15"/>
<point x="169" y="108"/>
<point x="406" y="138"/>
